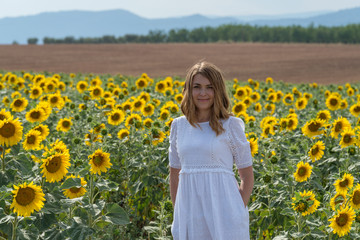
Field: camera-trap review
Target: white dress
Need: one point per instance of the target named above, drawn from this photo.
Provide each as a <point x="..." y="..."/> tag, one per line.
<point x="208" y="203"/>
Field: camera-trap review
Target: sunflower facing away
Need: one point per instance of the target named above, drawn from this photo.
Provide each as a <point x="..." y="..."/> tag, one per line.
<point x="342" y="185"/>
<point x="303" y="172"/>
<point x="305" y="203"/>
<point x="317" y="151"/>
<point x="75" y="192"/>
<point x="342" y="221"/>
<point x="99" y="161"/>
<point x="10" y="132"/>
<point x="55" y="167"/>
<point x="27" y="199"/>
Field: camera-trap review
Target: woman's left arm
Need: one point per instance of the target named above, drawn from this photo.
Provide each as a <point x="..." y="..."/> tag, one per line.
<point x="247" y="183"/>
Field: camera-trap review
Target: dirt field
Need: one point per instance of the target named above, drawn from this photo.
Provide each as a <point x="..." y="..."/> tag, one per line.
<point x="321" y="63"/>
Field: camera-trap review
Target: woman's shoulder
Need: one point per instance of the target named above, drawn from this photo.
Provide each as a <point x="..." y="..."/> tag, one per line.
<point x="233" y="121"/>
<point x="179" y="119"/>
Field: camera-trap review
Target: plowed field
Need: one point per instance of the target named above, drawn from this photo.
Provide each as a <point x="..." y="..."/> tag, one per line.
<point x="295" y="63"/>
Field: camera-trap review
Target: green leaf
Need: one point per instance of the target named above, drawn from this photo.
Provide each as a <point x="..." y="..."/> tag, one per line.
<point x="78" y="230"/>
<point x="70" y="183"/>
<point x="116" y="214"/>
<point x="44" y="221"/>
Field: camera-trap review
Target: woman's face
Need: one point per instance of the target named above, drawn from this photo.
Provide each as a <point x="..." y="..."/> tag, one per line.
<point x="202" y="93"/>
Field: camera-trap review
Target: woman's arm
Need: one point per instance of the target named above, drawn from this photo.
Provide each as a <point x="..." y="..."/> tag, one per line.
<point x="247" y="183"/>
<point x="174" y="182"/>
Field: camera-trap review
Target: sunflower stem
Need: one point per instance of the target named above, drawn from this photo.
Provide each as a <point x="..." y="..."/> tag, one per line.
<point x="91" y="198"/>
<point x="3" y="158"/>
<point x="14" y="223"/>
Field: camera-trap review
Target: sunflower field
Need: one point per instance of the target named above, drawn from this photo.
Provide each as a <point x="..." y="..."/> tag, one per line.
<point x="85" y="156"/>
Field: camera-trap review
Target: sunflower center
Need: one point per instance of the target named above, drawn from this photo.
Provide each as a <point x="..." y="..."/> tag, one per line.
<point x="283" y="124"/>
<point x="338" y="127"/>
<point x="75" y="189"/>
<point x="98" y="160"/>
<point x="50" y="87"/>
<point x="357" y="109"/>
<point x="65" y="124"/>
<point x="54" y="165"/>
<point x="301" y="103"/>
<point x="2" y="117"/>
<point x="38" y="129"/>
<point x="342" y="219"/>
<point x="290" y="123"/>
<point x="82" y="86"/>
<point x="31" y="139"/>
<point x="96" y="92"/>
<point x="164" y="115"/>
<point x="267" y="130"/>
<point x="268" y="108"/>
<point x="344" y="183"/>
<point x="240" y="93"/>
<point x="302" y="206"/>
<point x="124" y="134"/>
<point x="18" y="103"/>
<point x="7" y="130"/>
<point x="115" y="117"/>
<point x="238" y="108"/>
<point x="160" y="86"/>
<point x="313" y="127"/>
<point x="315" y="150"/>
<point x="54" y="100"/>
<point x="35" y="114"/>
<point x="302" y="171"/>
<point x="141" y="83"/>
<point x="347" y="138"/>
<point x="356" y="197"/>
<point x="137" y="104"/>
<point x="25" y="196"/>
<point x="35" y="91"/>
<point x="323" y="116"/>
<point x="147" y="109"/>
<point x="333" y="102"/>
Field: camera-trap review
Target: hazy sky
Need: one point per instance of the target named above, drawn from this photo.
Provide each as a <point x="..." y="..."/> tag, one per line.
<point x="175" y="8"/>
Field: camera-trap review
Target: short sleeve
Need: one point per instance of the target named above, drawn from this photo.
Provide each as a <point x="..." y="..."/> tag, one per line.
<point x="240" y="147"/>
<point x="174" y="160"/>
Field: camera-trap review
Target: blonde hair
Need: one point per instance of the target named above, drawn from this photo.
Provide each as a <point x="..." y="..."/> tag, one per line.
<point x="221" y="106"/>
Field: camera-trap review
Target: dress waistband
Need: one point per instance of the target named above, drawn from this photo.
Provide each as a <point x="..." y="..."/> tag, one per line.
<point x="186" y="170"/>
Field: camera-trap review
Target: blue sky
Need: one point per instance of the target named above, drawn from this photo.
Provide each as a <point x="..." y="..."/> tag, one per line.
<point x="175" y="8"/>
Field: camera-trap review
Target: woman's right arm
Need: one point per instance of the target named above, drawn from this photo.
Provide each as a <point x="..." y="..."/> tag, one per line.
<point x="174" y="182"/>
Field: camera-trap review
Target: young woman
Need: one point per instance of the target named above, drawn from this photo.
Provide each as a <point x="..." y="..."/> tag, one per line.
<point x="204" y="144"/>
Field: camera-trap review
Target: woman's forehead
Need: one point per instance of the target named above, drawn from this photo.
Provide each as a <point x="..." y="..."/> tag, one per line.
<point x="200" y="79"/>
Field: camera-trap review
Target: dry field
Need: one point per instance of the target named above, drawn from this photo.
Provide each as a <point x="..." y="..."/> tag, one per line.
<point x="295" y="63"/>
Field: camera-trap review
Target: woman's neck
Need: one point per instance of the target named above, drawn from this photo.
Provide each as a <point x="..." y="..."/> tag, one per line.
<point x="203" y="116"/>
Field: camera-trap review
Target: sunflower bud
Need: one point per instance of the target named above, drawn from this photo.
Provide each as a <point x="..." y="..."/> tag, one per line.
<point x="251" y="124"/>
<point x="86" y="98"/>
<point x="352" y="150"/>
<point x="77" y="117"/>
<point x="166" y="128"/>
<point x="267" y="178"/>
<point x="274" y="159"/>
<point x="121" y="96"/>
<point x="89" y="119"/>
<point x="72" y="106"/>
<point x="76" y="140"/>
<point x="104" y="132"/>
<point x="133" y="88"/>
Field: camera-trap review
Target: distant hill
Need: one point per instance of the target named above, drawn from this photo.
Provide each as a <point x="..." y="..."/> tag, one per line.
<point x="121" y="22"/>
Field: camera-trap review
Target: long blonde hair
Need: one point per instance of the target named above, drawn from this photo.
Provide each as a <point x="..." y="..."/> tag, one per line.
<point x="221" y="106"/>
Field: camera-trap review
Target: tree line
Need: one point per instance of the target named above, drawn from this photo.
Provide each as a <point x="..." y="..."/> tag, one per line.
<point x="227" y="33"/>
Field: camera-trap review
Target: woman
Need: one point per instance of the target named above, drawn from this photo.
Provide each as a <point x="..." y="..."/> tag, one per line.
<point x="204" y="144"/>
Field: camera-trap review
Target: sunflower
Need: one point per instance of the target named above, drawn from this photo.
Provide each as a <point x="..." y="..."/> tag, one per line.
<point x="164" y="114"/>
<point x="36" y="115"/>
<point x="355" y="197"/>
<point x="312" y="128"/>
<point x="43" y="129"/>
<point x="272" y="97"/>
<point x="178" y="98"/>
<point x="75" y="192"/>
<point x="49" y="87"/>
<point x="55" y="100"/>
<point x="99" y="161"/>
<point x="342" y="221"/>
<point x="81" y="86"/>
<point x="239" y="107"/>
<point x="4" y="114"/>
<point x="270" y="108"/>
<point x="292" y="123"/>
<point x="333" y="102"/>
<point x="355" y="109"/>
<point x="305" y="203"/>
<point x="96" y="92"/>
<point x="46" y="107"/>
<point x="27" y="199"/>
<point x="174" y="108"/>
<point x="338" y="200"/>
<point x="288" y="99"/>
<point x="268" y="129"/>
<point x="348" y="138"/>
<point x="254" y="146"/>
<point x="116" y="117"/>
<point x="301" y="103"/>
<point x="317" y="151"/>
<point x="123" y="133"/>
<point x="132" y="119"/>
<point x="55" y="167"/>
<point x="98" y="128"/>
<point x="148" y="109"/>
<point x="303" y="172"/>
<point x="342" y="185"/>
<point x="157" y="136"/>
<point x="240" y="93"/>
<point x="323" y="115"/>
<point x="35" y="92"/>
<point x="138" y="105"/>
<point x="339" y="125"/>
<point x="350" y="91"/>
<point x="19" y="104"/>
<point x="32" y="140"/>
<point x="141" y="83"/>
<point x="64" y="125"/>
<point x="160" y="87"/>
<point x="10" y="131"/>
<point x="95" y="82"/>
